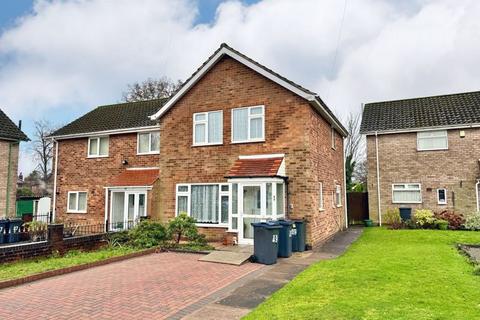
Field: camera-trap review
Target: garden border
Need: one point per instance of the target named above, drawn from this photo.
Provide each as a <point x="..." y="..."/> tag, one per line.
<point x="52" y="273"/>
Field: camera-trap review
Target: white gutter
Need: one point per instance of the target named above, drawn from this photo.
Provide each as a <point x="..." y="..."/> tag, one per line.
<point x="378" y="181"/>
<point x="421" y="129"/>
<point x="345" y="185"/>
<point x="55" y="180"/>
<point x="105" y="132"/>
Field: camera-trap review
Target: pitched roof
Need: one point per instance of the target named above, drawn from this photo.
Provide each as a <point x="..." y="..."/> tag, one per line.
<point x="114" y="117"/>
<point x="256" y="167"/>
<point x="224" y="49"/>
<point x="9" y="130"/>
<point x="131" y="178"/>
<point x="419" y="113"/>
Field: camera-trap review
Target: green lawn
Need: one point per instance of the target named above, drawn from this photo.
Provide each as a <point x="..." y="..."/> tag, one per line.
<point x="28" y="267"/>
<point x="386" y="274"/>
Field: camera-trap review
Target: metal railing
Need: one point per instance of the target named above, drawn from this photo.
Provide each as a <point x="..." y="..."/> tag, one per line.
<point x="75" y="229"/>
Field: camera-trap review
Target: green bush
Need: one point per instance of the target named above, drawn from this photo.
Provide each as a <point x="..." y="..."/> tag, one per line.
<point x="184" y="226"/>
<point x="392" y="218"/>
<point x="441" y="224"/>
<point x="118" y="239"/>
<point x="147" y="234"/>
<point x="424" y="218"/>
<point x="472" y="221"/>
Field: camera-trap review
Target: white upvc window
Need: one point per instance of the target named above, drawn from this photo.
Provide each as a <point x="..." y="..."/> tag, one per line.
<point x="148" y="142"/>
<point x="442" y="196"/>
<point x="207" y="128"/>
<point x="98" y="147"/>
<point x="432" y="140"/>
<point x="406" y="193"/>
<point x="207" y="203"/>
<point x="333" y="135"/>
<point x="77" y="202"/>
<point x="320" y="196"/>
<point x="338" y="195"/>
<point x="248" y="124"/>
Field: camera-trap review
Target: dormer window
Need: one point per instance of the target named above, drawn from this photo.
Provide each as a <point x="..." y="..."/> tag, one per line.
<point x="432" y="140"/>
<point x="98" y="147"/>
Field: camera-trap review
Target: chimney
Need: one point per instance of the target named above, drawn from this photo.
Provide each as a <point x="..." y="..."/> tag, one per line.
<point x="20" y="124"/>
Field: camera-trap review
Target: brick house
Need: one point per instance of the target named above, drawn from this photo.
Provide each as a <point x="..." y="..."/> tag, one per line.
<point x="423" y="153"/>
<point x="10" y="137"/>
<point x="239" y="144"/>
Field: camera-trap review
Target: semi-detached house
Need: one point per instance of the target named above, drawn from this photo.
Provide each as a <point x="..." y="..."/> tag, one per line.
<point x="236" y="144"/>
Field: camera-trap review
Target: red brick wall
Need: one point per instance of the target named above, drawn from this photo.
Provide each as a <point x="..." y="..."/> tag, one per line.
<point x="76" y="172"/>
<point x="455" y="169"/>
<point x="289" y="127"/>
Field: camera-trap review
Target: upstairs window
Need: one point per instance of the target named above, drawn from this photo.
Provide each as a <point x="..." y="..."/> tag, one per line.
<point x="148" y="143"/>
<point x="432" y="140"/>
<point x="98" y="147"/>
<point x="248" y="124"/>
<point x="406" y="193"/>
<point x="334" y="143"/>
<point x="207" y="128"/>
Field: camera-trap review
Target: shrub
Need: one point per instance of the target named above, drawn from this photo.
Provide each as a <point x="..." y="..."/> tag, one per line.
<point x="424" y="218"/>
<point x="147" y="234"/>
<point x="184" y="226"/>
<point x="410" y="224"/>
<point x="455" y="221"/>
<point x="392" y="218"/>
<point x="118" y="239"/>
<point x="472" y="221"/>
<point x="441" y="224"/>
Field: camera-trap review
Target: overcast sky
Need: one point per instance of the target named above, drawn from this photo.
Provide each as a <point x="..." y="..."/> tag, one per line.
<point x="59" y="59"/>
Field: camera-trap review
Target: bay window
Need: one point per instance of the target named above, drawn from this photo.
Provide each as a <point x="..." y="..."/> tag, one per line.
<point x="207" y="128"/>
<point x="98" y="147"/>
<point x="248" y="124"/>
<point x="406" y="193"/>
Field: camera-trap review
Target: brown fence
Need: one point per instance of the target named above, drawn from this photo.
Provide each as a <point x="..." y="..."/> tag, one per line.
<point x="357" y="207"/>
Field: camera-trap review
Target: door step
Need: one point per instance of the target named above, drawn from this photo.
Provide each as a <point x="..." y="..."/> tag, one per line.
<point x="226" y="257"/>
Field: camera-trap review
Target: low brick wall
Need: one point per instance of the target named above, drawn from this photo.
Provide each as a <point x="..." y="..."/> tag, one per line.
<point x="55" y="243"/>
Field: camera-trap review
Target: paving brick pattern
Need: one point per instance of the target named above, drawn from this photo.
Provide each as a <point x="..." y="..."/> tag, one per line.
<point x="150" y="287"/>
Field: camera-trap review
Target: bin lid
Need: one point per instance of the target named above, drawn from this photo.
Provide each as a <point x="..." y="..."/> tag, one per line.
<point x="266" y="225"/>
<point x="286" y="222"/>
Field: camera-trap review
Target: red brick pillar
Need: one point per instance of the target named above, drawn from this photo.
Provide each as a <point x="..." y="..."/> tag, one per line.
<point x="55" y="237"/>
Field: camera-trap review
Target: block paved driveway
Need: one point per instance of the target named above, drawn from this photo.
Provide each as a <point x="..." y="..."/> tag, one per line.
<point x="149" y="287"/>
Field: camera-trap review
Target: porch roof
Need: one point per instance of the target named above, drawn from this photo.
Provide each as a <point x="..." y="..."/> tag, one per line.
<point x="255" y="167"/>
<point x="135" y="178"/>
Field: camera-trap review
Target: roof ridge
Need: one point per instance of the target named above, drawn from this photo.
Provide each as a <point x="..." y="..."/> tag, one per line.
<point x="424" y="97"/>
<point x="131" y="102"/>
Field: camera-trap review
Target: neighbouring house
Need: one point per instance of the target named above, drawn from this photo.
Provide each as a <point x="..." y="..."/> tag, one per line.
<point x="423" y="153"/>
<point x="236" y="144"/>
<point x="10" y="137"/>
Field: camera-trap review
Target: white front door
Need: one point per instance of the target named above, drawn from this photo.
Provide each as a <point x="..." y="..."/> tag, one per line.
<point x="126" y="208"/>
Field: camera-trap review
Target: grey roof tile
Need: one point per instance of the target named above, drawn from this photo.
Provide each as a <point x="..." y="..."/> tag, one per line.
<point x="9" y="130"/>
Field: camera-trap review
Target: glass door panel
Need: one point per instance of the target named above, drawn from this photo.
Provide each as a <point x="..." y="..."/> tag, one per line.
<point x="142" y="210"/>
<point x="252" y="202"/>
<point x="247" y="227"/>
<point x="118" y="209"/>
<point x="130" y="209"/>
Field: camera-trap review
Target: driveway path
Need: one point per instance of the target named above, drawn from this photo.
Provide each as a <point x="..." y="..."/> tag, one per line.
<point x="149" y="287"/>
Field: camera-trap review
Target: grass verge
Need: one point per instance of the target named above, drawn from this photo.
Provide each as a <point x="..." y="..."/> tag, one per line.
<point x="386" y="274"/>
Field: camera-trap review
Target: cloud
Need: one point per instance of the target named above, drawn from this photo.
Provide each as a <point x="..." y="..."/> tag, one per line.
<point x="68" y="56"/>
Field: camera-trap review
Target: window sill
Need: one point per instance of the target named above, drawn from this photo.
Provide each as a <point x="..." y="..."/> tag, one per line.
<point x="211" y="225"/>
<point x="423" y="150"/>
<point x="393" y="202"/>
<point x="148" y="153"/>
<point x="76" y="212"/>
<point x="442" y="204"/>
<point x="248" y="141"/>
<point x="206" y="145"/>
<point x="321" y="209"/>
<point x="95" y="157"/>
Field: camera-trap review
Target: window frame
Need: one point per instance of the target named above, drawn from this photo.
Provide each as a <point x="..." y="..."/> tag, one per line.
<point x="149" y="143"/>
<point x="438" y="196"/>
<point x="321" y="206"/>
<point x="406" y="184"/>
<point x="221" y="193"/>
<point x="77" y="202"/>
<point x="194" y="131"/>
<point x="429" y="138"/>
<point x="97" y="155"/>
<point x="249" y="118"/>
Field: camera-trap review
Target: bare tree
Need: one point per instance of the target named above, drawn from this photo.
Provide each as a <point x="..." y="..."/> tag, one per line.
<point x="43" y="148"/>
<point x="151" y="89"/>
<point x="353" y="144"/>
